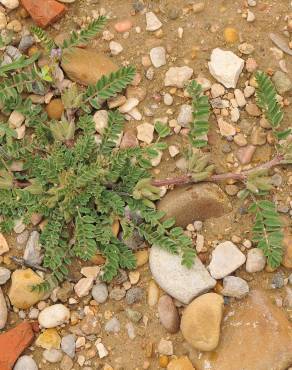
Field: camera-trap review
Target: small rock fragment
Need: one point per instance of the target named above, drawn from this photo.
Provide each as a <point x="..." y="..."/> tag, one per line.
<point x="178" y="76"/>
<point x="168" y="314"/>
<point x="145" y="132"/>
<point x="226" y="258"/>
<point x="158" y="56"/>
<point x="152" y="22"/>
<point x="235" y="287"/>
<point x="25" y="363"/>
<point x="225" y="67"/>
<point x="53" y="316"/>
<point x="165" y="347"/>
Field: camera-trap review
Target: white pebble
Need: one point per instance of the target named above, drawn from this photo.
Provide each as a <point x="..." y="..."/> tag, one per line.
<point x="158" y="56"/>
<point x="115" y="47"/>
<point x="152" y="22"/>
<point x="250" y="16"/>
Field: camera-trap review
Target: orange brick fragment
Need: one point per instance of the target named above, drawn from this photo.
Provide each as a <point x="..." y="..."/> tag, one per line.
<point x="13" y="343"/>
<point x="44" y="12"/>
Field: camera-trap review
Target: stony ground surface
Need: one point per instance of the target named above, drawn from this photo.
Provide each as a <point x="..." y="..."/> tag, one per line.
<point x="245" y="322"/>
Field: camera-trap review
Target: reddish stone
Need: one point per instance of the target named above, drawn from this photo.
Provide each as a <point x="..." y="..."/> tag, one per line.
<point x="35" y="326"/>
<point x="44" y="12"/>
<point x="13" y="343"/>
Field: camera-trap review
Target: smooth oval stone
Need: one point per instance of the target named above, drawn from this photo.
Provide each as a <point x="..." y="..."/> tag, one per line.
<point x="194" y="202"/>
<point x="168" y="314"/>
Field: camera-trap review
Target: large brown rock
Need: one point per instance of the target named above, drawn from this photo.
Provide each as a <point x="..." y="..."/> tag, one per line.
<point x="256" y="335"/>
<point x="201" y="320"/>
<point x="194" y="202"/>
<point x="86" y="66"/>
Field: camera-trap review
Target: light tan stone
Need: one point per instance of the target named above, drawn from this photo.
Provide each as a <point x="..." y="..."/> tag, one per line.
<point x="200" y="323"/>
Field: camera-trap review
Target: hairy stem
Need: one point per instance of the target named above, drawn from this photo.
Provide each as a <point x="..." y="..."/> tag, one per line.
<point x="187" y="179"/>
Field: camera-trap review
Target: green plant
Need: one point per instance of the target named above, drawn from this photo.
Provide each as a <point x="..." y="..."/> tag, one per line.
<point x="78" y="186"/>
<point x="199" y="127"/>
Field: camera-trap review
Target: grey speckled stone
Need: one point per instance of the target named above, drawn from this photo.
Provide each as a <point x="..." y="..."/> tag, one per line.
<point x="178" y="281"/>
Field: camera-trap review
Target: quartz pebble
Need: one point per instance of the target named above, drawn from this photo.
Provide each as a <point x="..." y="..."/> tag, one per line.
<point x="178" y="76"/>
<point x="235" y="287"/>
<point x="167" y="99"/>
<point x="4" y="275"/>
<point x="10" y="4"/>
<point x="145" y="132"/>
<point x="100" y="119"/>
<point x="226" y="258"/>
<point x="100" y="293"/>
<point x="32" y="252"/>
<point x="152" y="22"/>
<point x="185" y="115"/>
<point x="165" y="347"/>
<point x="83" y="287"/>
<point x="158" y="56"/>
<point x="225" y="67"/>
<point x="113" y="326"/>
<point x="52" y="355"/>
<point x="68" y="345"/>
<point x="115" y="47"/>
<point x="25" y="363"/>
<point x="255" y="261"/>
<point x="53" y="316"/>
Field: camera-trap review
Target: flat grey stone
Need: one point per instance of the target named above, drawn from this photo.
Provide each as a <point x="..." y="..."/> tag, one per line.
<point x="175" y="279"/>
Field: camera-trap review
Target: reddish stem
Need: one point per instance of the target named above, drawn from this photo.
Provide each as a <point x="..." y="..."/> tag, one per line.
<point x="187" y="179"/>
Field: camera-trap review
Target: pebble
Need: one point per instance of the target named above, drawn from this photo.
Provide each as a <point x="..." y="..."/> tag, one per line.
<point x="100" y="293"/>
<point x="253" y="110"/>
<point x="130" y="330"/>
<point x="25" y="363"/>
<point x="235" y="287"/>
<point x="250" y="16"/>
<point x="246" y="48"/>
<point x="145" y="132"/>
<point x="134" y="277"/>
<point x="153" y="294"/>
<point x="251" y="65"/>
<point x="49" y="339"/>
<point x="90" y="271"/>
<point x="100" y="119"/>
<point x="16" y="119"/>
<point x="173" y="150"/>
<point x="52" y="355"/>
<point x="225" y="67"/>
<point x="185" y="115"/>
<point x="258" y="136"/>
<point x="3" y="21"/>
<point x="240" y="99"/>
<point x="178" y="76"/>
<point x="248" y="91"/>
<point x="158" y="56"/>
<point x="277" y="281"/>
<point x="83" y="287"/>
<point x="90" y="324"/>
<point x="167" y="99"/>
<point x="245" y="154"/>
<point x="165" y="347"/>
<point x="240" y="140"/>
<point x="200" y="323"/>
<point x="226" y="129"/>
<point x="10" y="4"/>
<point x="175" y="279"/>
<point x="230" y="35"/>
<point x="3" y="310"/>
<point x="130" y="103"/>
<point x="66" y="363"/>
<point x="198" y="7"/>
<point x="133" y="315"/>
<point x="32" y="252"/>
<point x="231" y="189"/>
<point x="123" y="26"/>
<point x="102" y="351"/>
<point x="217" y="90"/>
<point x="134" y="295"/>
<point x="3" y="245"/>
<point x="142" y="257"/>
<point x="68" y="345"/>
<point x="113" y="326"/>
<point x="282" y="82"/>
<point x="4" y="275"/>
<point x="152" y="22"/>
<point x="226" y="258"/>
<point x="53" y="316"/>
<point x="181" y="363"/>
<point x="14" y="26"/>
<point x="25" y="43"/>
<point x="168" y="314"/>
<point x="115" y="47"/>
<point x="255" y="260"/>
<point x="20" y="292"/>
<point x="117" y="294"/>
<point x="55" y="109"/>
